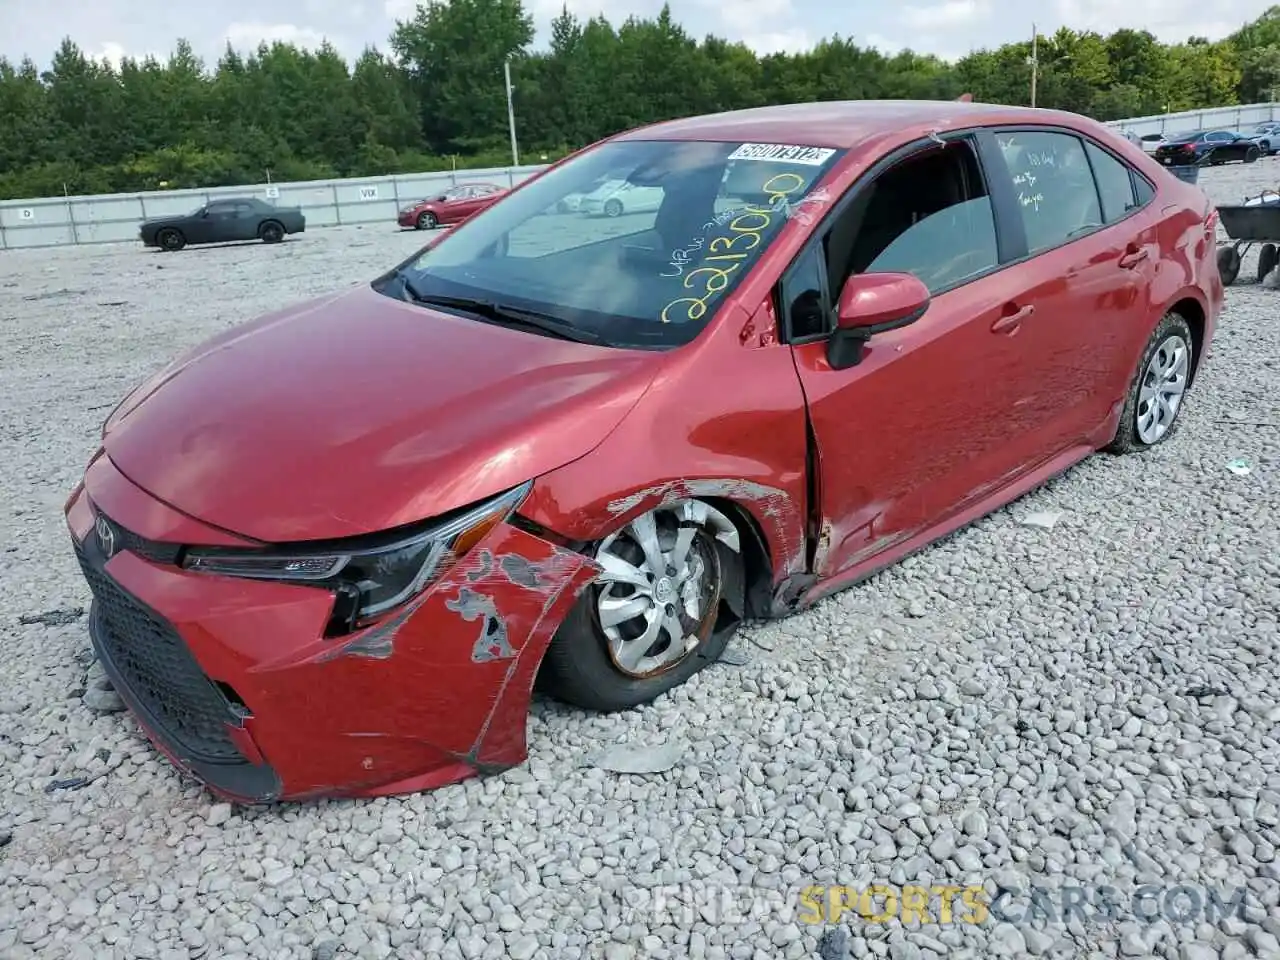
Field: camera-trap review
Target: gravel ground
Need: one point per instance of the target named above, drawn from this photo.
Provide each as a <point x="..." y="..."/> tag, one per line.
<point x="1090" y="704"/>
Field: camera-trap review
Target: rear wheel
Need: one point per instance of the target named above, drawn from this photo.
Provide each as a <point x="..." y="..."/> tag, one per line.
<point x="271" y="232"/>
<point x="1158" y="388"/>
<point x="171" y="239"/>
<point x="660" y="610"/>
<point x="1228" y="265"/>
<point x="1268" y="257"/>
<point x="427" y="221"/>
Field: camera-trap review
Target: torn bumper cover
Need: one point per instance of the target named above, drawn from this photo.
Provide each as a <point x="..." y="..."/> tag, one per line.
<point x="235" y="681"/>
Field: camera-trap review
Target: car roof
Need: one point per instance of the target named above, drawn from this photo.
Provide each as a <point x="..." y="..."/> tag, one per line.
<point x="845" y="123"/>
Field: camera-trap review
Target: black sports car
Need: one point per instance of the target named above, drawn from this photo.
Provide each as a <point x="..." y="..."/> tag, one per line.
<point x="1207" y="147"/>
<point x="223" y="221"/>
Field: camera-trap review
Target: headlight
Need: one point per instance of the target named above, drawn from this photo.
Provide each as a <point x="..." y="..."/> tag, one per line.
<point x="371" y="575"/>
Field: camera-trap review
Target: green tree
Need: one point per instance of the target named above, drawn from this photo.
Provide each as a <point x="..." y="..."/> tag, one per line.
<point x="438" y="99"/>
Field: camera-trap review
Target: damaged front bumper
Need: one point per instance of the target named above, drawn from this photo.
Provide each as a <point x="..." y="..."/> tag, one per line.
<point x="236" y="683"/>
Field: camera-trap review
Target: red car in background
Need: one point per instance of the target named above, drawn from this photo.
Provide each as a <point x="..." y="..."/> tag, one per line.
<point x="453" y="206"/>
<point x="582" y="450"/>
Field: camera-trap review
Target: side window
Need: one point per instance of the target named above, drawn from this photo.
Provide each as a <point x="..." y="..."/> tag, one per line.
<point x="1054" y="186"/>
<point x="929" y="215"/>
<point x="803" y="303"/>
<point x="1144" y="193"/>
<point x="1115" y="186"/>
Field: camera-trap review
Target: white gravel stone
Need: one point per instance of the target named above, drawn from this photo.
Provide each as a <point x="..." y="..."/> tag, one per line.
<point x="1092" y="703"/>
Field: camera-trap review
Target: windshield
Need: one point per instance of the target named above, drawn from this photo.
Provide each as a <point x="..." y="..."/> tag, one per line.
<point x="662" y="233"/>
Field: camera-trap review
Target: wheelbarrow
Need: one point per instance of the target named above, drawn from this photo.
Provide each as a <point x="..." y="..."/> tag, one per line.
<point x="1257" y="220"/>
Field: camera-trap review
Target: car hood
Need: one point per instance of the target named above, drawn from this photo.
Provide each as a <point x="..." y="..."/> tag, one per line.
<point x="357" y="412"/>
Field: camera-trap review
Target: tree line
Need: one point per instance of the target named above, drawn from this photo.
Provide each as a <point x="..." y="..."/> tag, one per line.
<point x="436" y="97"/>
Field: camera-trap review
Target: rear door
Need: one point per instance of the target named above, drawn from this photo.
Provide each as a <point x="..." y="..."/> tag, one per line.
<point x="1090" y="247"/>
<point x="248" y="214"/>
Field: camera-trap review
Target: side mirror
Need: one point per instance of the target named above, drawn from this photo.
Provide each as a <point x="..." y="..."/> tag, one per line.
<point x="870" y="304"/>
<point x="441" y="199"/>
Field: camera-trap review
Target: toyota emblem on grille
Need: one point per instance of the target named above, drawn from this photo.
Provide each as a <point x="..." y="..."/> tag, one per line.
<point x="106" y="537"/>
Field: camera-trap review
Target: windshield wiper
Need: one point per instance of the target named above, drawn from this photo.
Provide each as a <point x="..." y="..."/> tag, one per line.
<point x="506" y="314"/>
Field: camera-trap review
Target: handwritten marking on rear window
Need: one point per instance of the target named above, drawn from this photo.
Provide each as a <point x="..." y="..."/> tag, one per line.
<point x="783" y="153"/>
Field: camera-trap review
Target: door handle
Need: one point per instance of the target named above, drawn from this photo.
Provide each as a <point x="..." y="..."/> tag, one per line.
<point x="1133" y="256"/>
<point x="1010" y="322"/>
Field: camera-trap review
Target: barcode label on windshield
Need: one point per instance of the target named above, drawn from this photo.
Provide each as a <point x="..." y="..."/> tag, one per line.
<point x="783" y="153"/>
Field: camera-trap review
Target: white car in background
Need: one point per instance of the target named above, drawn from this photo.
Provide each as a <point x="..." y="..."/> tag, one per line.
<point x="1151" y="142"/>
<point x="616" y="197"/>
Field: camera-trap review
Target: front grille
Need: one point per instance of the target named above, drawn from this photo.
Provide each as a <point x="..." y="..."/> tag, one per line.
<point x="160" y="672"/>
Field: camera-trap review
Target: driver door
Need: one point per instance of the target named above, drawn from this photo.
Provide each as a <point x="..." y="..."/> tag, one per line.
<point x="934" y="416"/>
<point x="219" y="222"/>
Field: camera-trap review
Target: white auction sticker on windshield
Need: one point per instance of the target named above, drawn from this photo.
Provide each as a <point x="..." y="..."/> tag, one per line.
<point x="783" y="153"/>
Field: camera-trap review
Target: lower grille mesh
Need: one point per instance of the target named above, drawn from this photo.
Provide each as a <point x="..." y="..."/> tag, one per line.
<point x="160" y="672"/>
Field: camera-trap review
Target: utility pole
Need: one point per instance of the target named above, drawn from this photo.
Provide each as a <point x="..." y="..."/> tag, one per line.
<point x="1034" y="61"/>
<point x="511" y="113"/>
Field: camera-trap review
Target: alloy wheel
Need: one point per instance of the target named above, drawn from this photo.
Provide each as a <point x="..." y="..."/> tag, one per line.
<point x="660" y="585"/>
<point x="1163" y="384"/>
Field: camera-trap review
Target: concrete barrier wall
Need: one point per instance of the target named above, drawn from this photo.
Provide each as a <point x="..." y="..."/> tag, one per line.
<point x="1243" y="117"/>
<point x="56" y="221"/>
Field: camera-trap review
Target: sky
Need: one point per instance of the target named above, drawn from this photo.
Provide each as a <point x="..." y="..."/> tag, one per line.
<point x="949" y="28"/>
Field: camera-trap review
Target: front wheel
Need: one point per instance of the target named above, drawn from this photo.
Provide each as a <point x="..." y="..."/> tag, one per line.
<point x="1157" y="391"/>
<point x="271" y="232"/>
<point x="661" y="609"/>
<point x="1251" y="154"/>
<point x="427" y="221"/>
<point x="613" y="208"/>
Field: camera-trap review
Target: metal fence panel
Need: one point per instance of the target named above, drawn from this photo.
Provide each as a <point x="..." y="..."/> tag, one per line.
<point x="112" y="218"/>
<point x="1220" y="118"/>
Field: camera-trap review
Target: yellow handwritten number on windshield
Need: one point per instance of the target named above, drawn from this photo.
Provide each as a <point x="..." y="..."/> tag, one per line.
<point x="746" y="228"/>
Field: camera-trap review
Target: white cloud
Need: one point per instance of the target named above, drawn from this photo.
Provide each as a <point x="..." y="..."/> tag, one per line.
<point x="778" y="41"/>
<point x="247" y="36"/>
<point x="113" y="53"/>
<point x="949" y="13"/>
<point x="766" y="26"/>
<point x="1172" y="21"/>
<point x="400" y="9"/>
<point x="878" y="41"/>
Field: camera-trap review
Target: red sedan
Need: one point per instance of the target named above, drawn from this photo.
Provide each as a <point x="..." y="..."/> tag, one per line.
<point x="583" y="450"/>
<point x="453" y="206"/>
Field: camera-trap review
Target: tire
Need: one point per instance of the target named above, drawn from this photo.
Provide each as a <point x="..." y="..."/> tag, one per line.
<point x="1167" y="359"/>
<point x="426" y="221"/>
<point x="580" y="667"/>
<point x="613" y="208"/>
<point x="1228" y="265"/>
<point x="171" y="239"/>
<point x="1268" y="259"/>
<point x="1252" y="154"/>
<point x="271" y="232"/>
<point x="1265" y="147"/>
